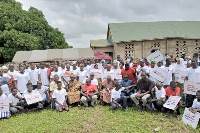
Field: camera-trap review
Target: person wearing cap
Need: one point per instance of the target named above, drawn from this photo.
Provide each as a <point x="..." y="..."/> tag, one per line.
<point x="74" y="88"/>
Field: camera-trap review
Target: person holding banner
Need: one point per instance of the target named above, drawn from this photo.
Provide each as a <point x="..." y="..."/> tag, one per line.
<point x="193" y="74"/>
<point x="196" y="103"/>
<point x="172" y="90"/>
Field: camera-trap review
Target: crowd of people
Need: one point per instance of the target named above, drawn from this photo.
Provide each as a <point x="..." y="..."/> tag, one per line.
<point x="65" y="84"/>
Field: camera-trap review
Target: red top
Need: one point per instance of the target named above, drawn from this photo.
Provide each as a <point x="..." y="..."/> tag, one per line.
<point x="170" y="92"/>
<point x="130" y="73"/>
<point x="90" y="89"/>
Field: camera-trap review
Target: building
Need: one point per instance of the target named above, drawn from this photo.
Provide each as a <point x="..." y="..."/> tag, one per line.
<point x="140" y="39"/>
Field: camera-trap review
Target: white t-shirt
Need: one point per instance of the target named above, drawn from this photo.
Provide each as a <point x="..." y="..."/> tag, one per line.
<point x="87" y="68"/>
<point x="170" y="70"/>
<point x="160" y="93"/>
<point x="41" y="91"/>
<point x="193" y="74"/>
<point x="13" y="99"/>
<point x="144" y="68"/>
<point x="74" y="72"/>
<point x="94" y="81"/>
<point x="14" y="73"/>
<point x="22" y="80"/>
<point x="34" y="76"/>
<point x="116" y="94"/>
<point x="43" y="76"/>
<point x="3" y="96"/>
<point x="66" y="75"/>
<point x="82" y="75"/>
<point x="59" y="95"/>
<point x="61" y="69"/>
<point x="196" y="104"/>
<point x="59" y="73"/>
<point x="5" y="75"/>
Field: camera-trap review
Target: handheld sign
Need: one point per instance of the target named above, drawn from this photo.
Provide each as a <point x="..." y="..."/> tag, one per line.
<point x="33" y="97"/>
<point x="180" y="76"/>
<point x="172" y="102"/>
<point x="158" y="74"/>
<point x="190" y="118"/>
<point x="68" y="73"/>
<point x="156" y="55"/>
<point x="4" y="105"/>
<point x="191" y="87"/>
<point x="97" y="73"/>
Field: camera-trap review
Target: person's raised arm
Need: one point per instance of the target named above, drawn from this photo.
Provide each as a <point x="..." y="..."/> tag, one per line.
<point x="113" y="100"/>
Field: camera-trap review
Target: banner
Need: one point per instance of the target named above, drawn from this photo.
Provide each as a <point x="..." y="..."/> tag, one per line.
<point x="4" y="105"/>
<point x="33" y="97"/>
<point x="68" y="73"/>
<point x="191" y="87"/>
<point x="156" y="55"/>
<point x="158" y="74"/>
<point x="97" y="73"/>
<point x="172" y="102"/>
<point x="118" y="74"/>
<point x="190" y="118"/>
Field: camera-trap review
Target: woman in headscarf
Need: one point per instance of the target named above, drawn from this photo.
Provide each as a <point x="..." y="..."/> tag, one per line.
<point x="74" y="90"/>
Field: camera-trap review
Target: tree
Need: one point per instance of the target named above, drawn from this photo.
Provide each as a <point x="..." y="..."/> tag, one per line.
<point x="22" y="30"/>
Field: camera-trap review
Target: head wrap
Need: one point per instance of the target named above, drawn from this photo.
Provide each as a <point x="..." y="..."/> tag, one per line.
<point x="153" y="60"/>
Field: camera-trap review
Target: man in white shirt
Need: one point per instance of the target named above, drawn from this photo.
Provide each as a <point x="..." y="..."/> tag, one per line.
<point x="62" y="67"/>
<point x="43" y="74"/>
<point x="142" y="68"/>
<point x="22" y="79"/>
<point x="12" y="71"/>
<point x="92" y="79"/>
<point x="60" y="98"/>
<point x="169" y="69"/>
<point x="34" y="75"/>
<point x="16" y="101"/>
<point x="81" y="74"/>
<point x="56" y="72"/>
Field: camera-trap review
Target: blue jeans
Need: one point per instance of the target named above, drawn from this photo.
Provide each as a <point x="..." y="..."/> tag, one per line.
<point x="122" y="101"/>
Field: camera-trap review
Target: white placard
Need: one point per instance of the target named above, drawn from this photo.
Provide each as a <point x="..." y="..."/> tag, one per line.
<point x="118" y="75"/>
<point x="172" y="102"/>
<point x="4" y="105"/>
<point x="33" y="97"/>
<point x="97" y="73"/>
<point x="191" y="87"/>
<point x="158" y="74"/>
<point x="156" y="55"/>
<point x="190" y="118"/>
<point x="181" y="76"/>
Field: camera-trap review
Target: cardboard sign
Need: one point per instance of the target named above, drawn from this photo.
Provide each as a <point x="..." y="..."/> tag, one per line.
<point x="33" y="97"/>
<point x="4" y="105"/>
<point x="68" y="73"/>
<point x="97" y="73"/>
<point x="118" y="75"/>
<point x="191" y="87"/>
<point x="172" y="102"/>
<point x="190" y="118"/>
<point x="158" y="74"/>
<point x="156" y="55"/>
<point x="181" y="76"/>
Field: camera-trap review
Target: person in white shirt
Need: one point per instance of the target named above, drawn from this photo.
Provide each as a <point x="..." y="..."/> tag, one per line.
<point x="66" y="74"/>
<point x="92" y="79"/>
<point x="56" y="72"/>
<point x="16" y="101"/>
<point x="158" y="96"/>
<point x="34" y="75"/>
<point x="81" y="74"/>
<point x="151" y="70"/>
<point x="60" y="98"/>
<point x="12" y="71"/>
<point x="116" y="99"/>
<point x="169" y="69"/>
<point x="22" y="79"/>
<point x="142" y="68"/>
<point x="62" y="67"/>
<point x="43" y="92"/>
<point x="4" y="114"/>
<point x="43" y="74"/>
<point x="196" y="103"/>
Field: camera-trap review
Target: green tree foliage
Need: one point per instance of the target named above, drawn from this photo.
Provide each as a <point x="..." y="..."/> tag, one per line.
<point x="22" y="30"/>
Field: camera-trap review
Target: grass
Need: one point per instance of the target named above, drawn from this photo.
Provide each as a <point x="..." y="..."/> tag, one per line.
<point x="99" y="119"/>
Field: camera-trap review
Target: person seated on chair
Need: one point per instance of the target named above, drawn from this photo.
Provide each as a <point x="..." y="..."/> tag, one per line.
<point x="89" y="94"/>
<point x="60" y="98"/>
<point x="16" y="101"/>
<point x="144" y="87"/>
<point x="196" y="103"/>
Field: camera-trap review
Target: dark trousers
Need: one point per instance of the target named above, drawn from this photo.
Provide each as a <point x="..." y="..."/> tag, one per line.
<point x="122" y="101"/>
<point x="189" y="100"/>
<point x="158" y="105"/>
<point x="171" y="111"/>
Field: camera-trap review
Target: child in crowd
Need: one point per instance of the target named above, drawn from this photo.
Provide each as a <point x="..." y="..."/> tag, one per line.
<point x="196" y="103"/>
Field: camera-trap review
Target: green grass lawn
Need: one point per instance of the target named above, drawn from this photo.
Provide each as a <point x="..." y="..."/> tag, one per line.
<point x="99" y="119"/>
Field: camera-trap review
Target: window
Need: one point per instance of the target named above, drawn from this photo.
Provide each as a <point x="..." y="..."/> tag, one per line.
<point x="180" y="48"/>
<point x="129" y="51"/>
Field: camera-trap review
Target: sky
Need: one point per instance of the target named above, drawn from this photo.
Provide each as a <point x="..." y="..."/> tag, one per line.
<point x="85" y="20"/>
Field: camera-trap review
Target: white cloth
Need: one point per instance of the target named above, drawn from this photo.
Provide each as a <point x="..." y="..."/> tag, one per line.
<point x="34" y="76"/>
<point x="94" y="81"/>
<point x="116" y="94"/>
<point x="59" y="73"/>
<point x="61" y="69"/>
<point x="44" y="76"/>
<point x="59" y="95"/>
<point x="160" y="93"/>
<point x="170" y="70"/>
<point x="41" y="91"/>
<point x="5" y="75"/>
<point x="75" y="72"/>
<point x="87" y="68"/>
<point x="193" y="74"/>
<point x="14" y="73"/>
<point x="196" y="104"/>
<point x="22" y="80"/>
<point x="13" y="99"/>
<point x="144" y="68"/>
<point x="66" y="75"/>
<point x="3" y="96"/>
<point x="82" y="75"/>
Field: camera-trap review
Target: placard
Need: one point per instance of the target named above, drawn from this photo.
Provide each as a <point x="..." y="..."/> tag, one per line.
<point x="157" y="55"/>
<point x="181" y="76"/>
<point x="33" y="97"/>
<point x="190" y="118"/>
<point x="97" y="73"/>
<point x="68" y="73"/>
<point x="159" y="74"/>
<point x="4" y="105"/>
<point x="172" y="102"/>
<point x="191" y="87"/>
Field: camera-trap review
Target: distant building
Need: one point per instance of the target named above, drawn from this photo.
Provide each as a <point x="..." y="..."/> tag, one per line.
<point x="140" y="39"/>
